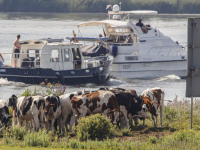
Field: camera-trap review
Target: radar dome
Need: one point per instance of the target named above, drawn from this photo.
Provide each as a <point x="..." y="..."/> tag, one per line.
<point x="116" y="8"/>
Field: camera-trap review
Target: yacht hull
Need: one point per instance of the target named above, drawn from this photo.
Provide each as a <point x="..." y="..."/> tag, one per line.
<point x="148" y="70"/>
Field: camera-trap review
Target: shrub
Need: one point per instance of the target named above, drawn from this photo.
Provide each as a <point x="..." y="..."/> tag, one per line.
<point x="40" y="138"/>
<point x="27" y="92"/>
<point x="184" y="135"/>
<point x="94" y="127"/>
<point x="17" y="133"/>
<point x="170" y="113"/>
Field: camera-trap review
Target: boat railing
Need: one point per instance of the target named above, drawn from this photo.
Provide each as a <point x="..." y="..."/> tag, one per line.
<point x="122" y="44"/>
<point x="172" y="49"/>
<point x="30" y="61"/>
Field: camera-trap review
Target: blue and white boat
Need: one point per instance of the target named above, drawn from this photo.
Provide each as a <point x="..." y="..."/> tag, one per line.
<point x="53" y="60"/>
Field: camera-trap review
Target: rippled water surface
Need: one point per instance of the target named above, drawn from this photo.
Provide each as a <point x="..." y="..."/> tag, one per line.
<point x="52" y="25"/>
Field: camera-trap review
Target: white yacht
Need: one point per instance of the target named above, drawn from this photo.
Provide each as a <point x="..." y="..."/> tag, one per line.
<point x="138" y="52"/>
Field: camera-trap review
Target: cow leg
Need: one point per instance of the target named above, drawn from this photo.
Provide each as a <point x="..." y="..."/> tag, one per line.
<point x="14" y="122"/>
<point x="36" y="121"/>
<point x="59" y="120"/>
<point x="19" y="122"/>
<point x="161" y="114"/>
<point x="136" y="121"/>
<point x="72" y="121"/>
<point x="41" y="118"/>
<point x="63" y="120"/>
<point x="54" y="124"/>
<point x="155" y="120"/>
<point x="144" y="123"/>
<point x="27" y="124"/>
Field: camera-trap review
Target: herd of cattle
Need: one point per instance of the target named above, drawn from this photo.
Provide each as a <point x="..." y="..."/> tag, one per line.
<point x="121" y="106"/>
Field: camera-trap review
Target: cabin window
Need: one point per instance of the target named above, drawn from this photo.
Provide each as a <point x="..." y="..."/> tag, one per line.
<point x="67" y="55"/>
<point x="32" y="53"/>
<point x="55" y="55"/>
<point x="76" y="53"/>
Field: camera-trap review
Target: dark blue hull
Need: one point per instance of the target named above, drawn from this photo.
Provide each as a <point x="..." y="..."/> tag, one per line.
<point x="97" y="75"/>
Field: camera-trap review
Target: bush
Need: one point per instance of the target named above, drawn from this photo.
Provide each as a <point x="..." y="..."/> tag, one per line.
<point x="40" y="138"/>
<point x="16" y="133"/>
<point x="94" y="127"/>
<point x="184" y="135"/>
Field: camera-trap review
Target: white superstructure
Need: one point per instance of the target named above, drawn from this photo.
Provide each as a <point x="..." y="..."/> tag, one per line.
<point x="140" y="52"/>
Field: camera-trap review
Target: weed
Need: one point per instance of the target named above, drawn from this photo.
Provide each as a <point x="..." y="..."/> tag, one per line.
<point x="126" y="132"/>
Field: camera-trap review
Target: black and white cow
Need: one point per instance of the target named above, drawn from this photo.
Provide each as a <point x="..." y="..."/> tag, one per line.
<point x="131" y="102"/>
<point x="4" y="113"/>
<point x="29" y="109"/>
<point x="4" y="116"/>
<point x="52" y="112"/>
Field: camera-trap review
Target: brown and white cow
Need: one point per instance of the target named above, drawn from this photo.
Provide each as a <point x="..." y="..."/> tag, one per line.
<point x="29" y="109"/>
<point x="154" y="99"/>
<point x="96" y="102"/>
<point x="66" y="108"/>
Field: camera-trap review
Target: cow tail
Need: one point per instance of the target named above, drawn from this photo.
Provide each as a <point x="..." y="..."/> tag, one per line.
<point x="162" y="107"/>
<point x="76" y="112"/>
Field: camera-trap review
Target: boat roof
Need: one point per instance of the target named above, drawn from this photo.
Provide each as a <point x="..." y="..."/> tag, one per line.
<point x="113" y="23"/>
<point x="48" y="42"/>
<point x="136" y="12"/>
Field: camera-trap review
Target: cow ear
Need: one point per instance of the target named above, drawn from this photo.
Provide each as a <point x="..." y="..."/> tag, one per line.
<point x="71" y="95"/>
<point x="48" y="98"/>
<point x="30" y="98"/>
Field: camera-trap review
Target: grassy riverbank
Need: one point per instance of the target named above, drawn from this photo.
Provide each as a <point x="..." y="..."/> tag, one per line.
<point x="98" y="6"/>
<point x="175" y="134"/>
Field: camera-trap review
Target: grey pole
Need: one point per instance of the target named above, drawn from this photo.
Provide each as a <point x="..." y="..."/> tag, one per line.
<point x="191" y="110"/>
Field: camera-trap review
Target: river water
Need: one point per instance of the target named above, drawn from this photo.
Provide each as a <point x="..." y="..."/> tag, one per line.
<point x="54" y="25"/>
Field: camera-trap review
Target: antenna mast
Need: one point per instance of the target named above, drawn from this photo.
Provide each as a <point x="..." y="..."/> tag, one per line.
<point x="120" y="4"/>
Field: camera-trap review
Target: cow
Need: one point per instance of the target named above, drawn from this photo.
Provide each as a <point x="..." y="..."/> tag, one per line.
<point x="154" y="99"/>
<point x="28" y="108"/>
<point x="52" y="112"/>
<point x="132" y="103"/>
<point x="96" y="102"/>
<point x="4" y="116"/>
<point x="4" y="113"/>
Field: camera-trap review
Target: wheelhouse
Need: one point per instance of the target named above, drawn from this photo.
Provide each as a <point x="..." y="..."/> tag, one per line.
<point x="56" y="55"/>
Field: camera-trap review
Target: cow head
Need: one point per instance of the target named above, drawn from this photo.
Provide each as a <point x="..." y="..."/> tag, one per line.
<point x="4" y="116"/>
<point x="152" y="106"/>
<point x="52" y="103"/>
<point x="115" y="115"/>
<point x="144" y="113"/>
<point x="12" y="101"/>
<point x="136" y="105"/>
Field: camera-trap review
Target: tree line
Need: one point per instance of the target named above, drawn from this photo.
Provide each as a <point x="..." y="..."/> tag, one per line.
<point x="98" y="6"/>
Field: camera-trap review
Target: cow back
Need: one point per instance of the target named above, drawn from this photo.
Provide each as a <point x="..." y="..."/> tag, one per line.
<point x="26" y="105"/>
